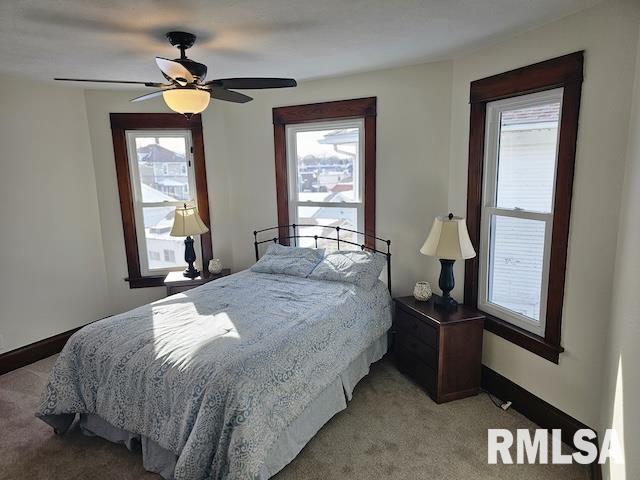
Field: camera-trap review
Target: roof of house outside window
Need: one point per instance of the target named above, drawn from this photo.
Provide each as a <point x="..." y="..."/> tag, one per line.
<point x="154" y="153"/>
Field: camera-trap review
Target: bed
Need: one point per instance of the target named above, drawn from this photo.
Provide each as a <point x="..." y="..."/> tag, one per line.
<point x="228" y="380"/>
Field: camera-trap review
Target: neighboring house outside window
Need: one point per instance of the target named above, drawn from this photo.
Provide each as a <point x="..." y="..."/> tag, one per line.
<point x="163" y="168"/>
<point x="170" y="255"/>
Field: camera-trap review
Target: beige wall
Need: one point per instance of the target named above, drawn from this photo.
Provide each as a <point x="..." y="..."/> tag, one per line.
<point x="621" y="380"/>
<point x="608" y="34"/>
<point x="52" y="272"/>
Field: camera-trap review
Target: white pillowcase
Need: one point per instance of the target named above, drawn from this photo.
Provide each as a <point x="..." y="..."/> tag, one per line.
<point x="296" y="261"/>
<point x="358" y="267"/>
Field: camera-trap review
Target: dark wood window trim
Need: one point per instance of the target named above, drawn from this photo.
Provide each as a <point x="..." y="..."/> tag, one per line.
<point x="317" y="112"/>
<point x="120" y="123"/>
<point x="565" y="72"/>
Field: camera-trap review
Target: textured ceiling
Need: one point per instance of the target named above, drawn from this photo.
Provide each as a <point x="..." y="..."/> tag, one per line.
<point x="304" y="39"/>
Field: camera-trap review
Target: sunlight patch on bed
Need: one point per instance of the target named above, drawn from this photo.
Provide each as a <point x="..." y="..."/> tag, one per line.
<point x="182" y="334"/>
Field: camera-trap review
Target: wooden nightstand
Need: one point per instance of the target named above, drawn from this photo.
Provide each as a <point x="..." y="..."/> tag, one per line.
<point x="441" y="350"/>
<point x="176" y="282"/>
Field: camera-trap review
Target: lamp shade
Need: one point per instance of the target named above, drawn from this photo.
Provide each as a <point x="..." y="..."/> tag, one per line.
<point x="448" y="239"/>
<point x="187" y="222"/>
<point x="186" y="100"/>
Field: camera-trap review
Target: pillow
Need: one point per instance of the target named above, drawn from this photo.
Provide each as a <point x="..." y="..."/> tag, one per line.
<point x="357" y="267"/>
<point x="296" y="261"/>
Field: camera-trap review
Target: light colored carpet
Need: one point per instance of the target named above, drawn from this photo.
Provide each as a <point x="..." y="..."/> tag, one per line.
<point x="391" y="430"/>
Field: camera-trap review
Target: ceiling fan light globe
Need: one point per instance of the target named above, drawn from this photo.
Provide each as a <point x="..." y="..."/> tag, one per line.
<point x="186" y="100"/>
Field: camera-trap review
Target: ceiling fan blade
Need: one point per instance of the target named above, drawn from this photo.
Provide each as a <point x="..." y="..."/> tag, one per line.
<point x="149" y="95"/>
<point x="175" y="70"/>
<point x="253" y="83"/>
<point x="147" y="84"/>
<point x="228" y="95"/>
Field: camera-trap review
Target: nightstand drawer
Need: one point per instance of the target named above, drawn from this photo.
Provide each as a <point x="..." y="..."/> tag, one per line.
<point x="416" y="369"/>
<point x="416" y="348"/>
<point x="179" y="289"/>
<point x="412" y="326"/>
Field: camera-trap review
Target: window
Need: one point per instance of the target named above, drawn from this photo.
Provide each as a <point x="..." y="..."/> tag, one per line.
<point x="521" y="160"/>
<point x="517" y="208"/>
<point x="326" y="184"/>
<point x="325" y="169"/>
<point x="160" y="165"/>
<point x="158" y="191"/>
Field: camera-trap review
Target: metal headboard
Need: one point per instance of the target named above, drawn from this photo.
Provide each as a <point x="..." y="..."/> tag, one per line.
<point x="284" y="233"/>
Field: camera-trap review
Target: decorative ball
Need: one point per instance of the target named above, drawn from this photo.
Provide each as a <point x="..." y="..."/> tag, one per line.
<point x="422" y="291"/>
<point x="215" y="266"/>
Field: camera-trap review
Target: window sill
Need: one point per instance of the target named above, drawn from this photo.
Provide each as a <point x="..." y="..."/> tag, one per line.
<point x="144" y="282"/>
<point x="527" y="340"/>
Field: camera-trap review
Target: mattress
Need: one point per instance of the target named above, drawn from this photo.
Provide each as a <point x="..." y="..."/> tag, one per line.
<point x="228" y="380"/>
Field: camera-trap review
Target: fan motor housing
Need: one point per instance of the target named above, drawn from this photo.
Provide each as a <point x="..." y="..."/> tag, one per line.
<point x="184" y="41"/>
<point x="197" y="69"/>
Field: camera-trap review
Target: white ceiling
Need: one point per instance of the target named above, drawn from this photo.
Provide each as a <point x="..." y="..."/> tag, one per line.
<point x="117" y="39"/>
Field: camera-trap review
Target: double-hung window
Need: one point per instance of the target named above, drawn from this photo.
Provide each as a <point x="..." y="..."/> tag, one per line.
<point x="326" y="180"/>
<point x="325" y="156"/>
<point x="522" y="143"/>
<point x="160" y="165"/>
<point x="521" y="151"/>
<point x="162" y="178"/>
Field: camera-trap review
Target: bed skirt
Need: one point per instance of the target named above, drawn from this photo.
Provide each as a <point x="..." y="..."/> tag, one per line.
<point x="330" y="401"/>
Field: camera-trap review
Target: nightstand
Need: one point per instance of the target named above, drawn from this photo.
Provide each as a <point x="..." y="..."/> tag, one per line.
<point x="176" y="282"/>
<point x="440" y="349"/>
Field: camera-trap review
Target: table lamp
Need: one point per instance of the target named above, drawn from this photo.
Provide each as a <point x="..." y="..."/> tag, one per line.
<point x="187" y="222"/>
<point x="448" y="241"/>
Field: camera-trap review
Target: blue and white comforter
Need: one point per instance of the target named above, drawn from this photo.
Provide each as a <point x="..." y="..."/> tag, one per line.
<point x="217" y="373"/>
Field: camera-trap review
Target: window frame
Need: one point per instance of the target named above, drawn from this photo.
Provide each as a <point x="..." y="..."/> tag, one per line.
<point x="361" y="108"/>
<point x="358" y="204"/>
<point x="120" y="124"/>
<point x="564" y="72"/>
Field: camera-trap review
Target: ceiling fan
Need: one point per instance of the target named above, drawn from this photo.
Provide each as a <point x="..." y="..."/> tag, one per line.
<point x="187" y="92"/>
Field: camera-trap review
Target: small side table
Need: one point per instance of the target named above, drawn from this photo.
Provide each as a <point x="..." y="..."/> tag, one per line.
<point x="440" y="349"/>
<point x="176" y="282"/>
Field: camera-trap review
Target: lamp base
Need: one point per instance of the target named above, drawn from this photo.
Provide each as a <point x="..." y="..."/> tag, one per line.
<point x="446" y="283"/>
<point x="446" y="303"/>
<point x="190" y="257"/>
<point x="191" y="272"/>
